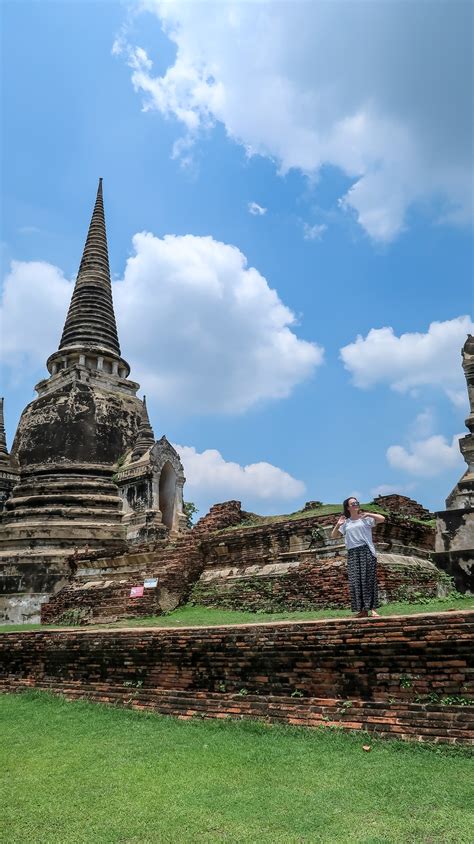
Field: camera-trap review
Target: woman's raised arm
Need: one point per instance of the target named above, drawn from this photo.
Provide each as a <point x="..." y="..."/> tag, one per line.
<point x="335" y="530"/>
<point x="377" y="517"/>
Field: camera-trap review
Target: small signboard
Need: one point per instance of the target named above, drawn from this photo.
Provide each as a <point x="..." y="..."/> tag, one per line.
<point x="150" y="583"/>
<point x="136" y="592"/>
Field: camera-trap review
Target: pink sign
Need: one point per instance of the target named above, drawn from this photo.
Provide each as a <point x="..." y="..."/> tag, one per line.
<point x="136" y="592"/>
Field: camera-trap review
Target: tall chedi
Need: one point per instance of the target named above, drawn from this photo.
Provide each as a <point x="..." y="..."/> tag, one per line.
<point x="86" y="416"/>
<point x="454" y="548"/>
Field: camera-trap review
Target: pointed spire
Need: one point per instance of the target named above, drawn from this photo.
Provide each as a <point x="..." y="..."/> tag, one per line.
<point x="91" y="319"/>
<point x="3" y="438"/>
<point x="145" y="437"/>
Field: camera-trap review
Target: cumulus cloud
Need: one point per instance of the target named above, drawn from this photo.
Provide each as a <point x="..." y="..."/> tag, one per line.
<point x="256" y="209"/>
<point x="412" y="360"/>
<point x="213" y="336"/>
<point x="32" y="311"/>
<point x="210" y="476"/>
<point x="314" y="232"/>
<point x="203" y="331"/>
<point x="424" y="424"/>
<point x="384" y="94"/>
<point x="426" y="458"/>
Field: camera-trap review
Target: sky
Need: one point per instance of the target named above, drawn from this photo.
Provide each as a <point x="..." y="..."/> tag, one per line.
<point x="288" y="194"/>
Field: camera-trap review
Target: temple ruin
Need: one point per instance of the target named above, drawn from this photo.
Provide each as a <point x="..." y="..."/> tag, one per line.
<point x="93" y="527"/>
<point x="454" y="551"/>
<point x="60" y="490"/>
<point x="92" y="530"/>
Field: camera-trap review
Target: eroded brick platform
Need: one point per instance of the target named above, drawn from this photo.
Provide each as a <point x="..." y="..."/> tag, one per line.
<point x="395" y="676"/>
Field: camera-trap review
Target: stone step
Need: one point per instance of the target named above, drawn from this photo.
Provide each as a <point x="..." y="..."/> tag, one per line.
<point x="52" y="515"/>
<point x="77" y="497"/>
<point x="48" y="532"/>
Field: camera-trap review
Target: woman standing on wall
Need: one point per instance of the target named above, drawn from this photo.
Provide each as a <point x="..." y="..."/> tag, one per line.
<point x="356" y="528"/>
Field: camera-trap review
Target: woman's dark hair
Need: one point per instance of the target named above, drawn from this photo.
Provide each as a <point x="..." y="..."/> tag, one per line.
<point x="345" y="507"/>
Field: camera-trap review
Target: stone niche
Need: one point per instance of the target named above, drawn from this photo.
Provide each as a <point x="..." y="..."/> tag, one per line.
<point x="151" y="490"/>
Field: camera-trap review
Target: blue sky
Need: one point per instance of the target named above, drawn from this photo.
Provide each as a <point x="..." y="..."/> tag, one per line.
<point x="354" y="144"/>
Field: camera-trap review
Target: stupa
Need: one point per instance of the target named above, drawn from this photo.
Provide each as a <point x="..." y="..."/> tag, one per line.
<point x="454" y="548"/>
<point x="69" y="443"/>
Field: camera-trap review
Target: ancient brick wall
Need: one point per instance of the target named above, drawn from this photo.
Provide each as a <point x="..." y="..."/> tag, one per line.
<point x="284" y="565"/>
<point x="257" y="543"/>
<point x="107" y="597"/>
<point x="293" y="564"/>
<point x="403" y="505"/>
<point x="398" y="675"/>
<point x="220" y="516"/>
<point x="313" y="584"/>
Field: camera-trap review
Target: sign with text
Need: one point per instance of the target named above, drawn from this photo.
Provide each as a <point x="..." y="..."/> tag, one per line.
<point x="136" y="592"/>
<point x="150" y="583"/>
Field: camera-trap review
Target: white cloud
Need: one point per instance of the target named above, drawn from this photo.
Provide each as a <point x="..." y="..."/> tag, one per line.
<point x="314" y="232"/>
<point x="208" y="475"/>
<point x="203" y="331"/>
<point x="256" y="209"/>
<point x="426" y="458"/>
<point x="32" y="312"/>
<point x="411" y="360"/>
<point x="213" y="335"/>
<point x="384" y="94"/>
<point x="458" y="397"/>
<point x="424" y="424"/>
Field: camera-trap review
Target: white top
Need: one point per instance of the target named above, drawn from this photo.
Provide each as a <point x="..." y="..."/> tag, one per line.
<point x="358" y="532"/>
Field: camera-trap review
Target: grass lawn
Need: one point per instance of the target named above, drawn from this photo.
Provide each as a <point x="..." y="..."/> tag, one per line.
<point x="196" y="616"/>
<point x="80" y="772"/>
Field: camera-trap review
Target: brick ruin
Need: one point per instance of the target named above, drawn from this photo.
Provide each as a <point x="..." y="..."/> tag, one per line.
<point x="294" y="564"/>
<point x="229" y="561"/>
<point x="403" y="506"/>
<point x="407" y="677"/>
<point x="93" y="504"/>
<point x="92" y="530"/>
<point x="83" y="448"/>
<point x="454" y="547"/>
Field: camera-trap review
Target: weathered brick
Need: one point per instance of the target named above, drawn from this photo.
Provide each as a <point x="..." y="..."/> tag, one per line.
<point x="357" y="675"/>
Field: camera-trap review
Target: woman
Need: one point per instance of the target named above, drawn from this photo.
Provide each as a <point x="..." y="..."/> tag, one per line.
<point x="356" y="528"/>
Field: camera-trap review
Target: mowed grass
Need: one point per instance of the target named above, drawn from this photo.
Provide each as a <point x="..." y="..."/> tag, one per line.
<point x="190" y="615"/>
<point x="197" y="616"/>
<point x="80" y="772"/>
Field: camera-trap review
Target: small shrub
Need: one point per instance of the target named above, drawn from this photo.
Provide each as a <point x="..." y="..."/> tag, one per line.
<point x="75" y="616"/>
<point x="189" y="510"/>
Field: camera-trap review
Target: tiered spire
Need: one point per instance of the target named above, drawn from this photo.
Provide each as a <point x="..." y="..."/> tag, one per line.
<point x="3" y="438"/>
<point x="145" y="437"/>
<point x="91" y="319"/>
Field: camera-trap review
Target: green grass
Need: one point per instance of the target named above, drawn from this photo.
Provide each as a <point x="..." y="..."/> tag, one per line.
<point x="82" y="773"/>
<point x="197" y="616"/>
<point x="324" y="510"/>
